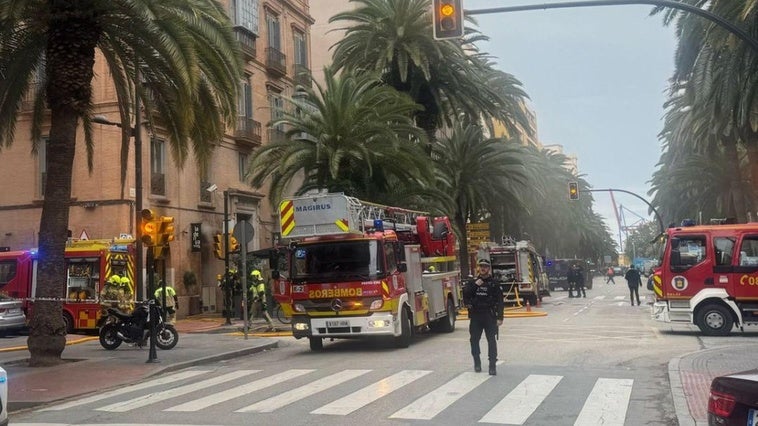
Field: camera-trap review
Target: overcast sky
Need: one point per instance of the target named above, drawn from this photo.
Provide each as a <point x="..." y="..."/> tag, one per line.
<point x="597" y="79"/>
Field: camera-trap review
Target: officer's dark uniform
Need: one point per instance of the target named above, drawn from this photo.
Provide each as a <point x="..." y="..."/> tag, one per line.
<point x="571" y="281"/>
<point x="485" y="309"/>
<point x="579" y="281"/>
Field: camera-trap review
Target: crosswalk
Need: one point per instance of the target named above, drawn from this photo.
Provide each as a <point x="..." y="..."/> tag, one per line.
<point x="514" y="402"/>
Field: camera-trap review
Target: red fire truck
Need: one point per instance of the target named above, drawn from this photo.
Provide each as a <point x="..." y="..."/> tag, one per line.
<point x="518" y="268"/>
<point x="358" y="269"/>
<point x="709" y="277"/>
<point x="89" y="263"/>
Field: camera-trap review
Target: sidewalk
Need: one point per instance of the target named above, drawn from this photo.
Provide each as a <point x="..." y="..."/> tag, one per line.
<point x="89" y="368"/>
<point x="691" y="376"/>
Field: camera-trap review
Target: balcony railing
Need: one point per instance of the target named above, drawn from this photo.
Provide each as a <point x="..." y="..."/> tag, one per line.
<point x="302" y="75"/>
<point x="276" y="61"/>
<point x="158" y="184"/>
<point x="248" y="131"/>
<point x="246" y="40"/>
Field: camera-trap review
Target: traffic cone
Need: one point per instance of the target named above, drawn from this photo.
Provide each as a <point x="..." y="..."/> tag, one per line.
<point x="528" y="306"/>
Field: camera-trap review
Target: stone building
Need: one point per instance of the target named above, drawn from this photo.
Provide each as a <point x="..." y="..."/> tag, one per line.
<point x="275" y="39"/>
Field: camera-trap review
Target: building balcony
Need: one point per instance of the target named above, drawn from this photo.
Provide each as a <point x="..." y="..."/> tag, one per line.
<point x="248" y="131"/>
<point x="276" y="62"/>
<point x="246" y="40"/>
<point x="302" y="76"/>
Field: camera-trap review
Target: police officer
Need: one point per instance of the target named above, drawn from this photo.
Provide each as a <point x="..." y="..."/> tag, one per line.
<point x="484" y="299"/>
<point x="579" y="280"/>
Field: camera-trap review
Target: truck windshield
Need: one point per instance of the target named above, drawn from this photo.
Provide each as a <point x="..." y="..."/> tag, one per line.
<point x="346" y="260"/>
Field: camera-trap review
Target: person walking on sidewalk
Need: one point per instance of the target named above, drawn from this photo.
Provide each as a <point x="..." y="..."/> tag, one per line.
<point x="609" y="275"/>
<point x="484" y="300"/>
<point x="634" y="281"/>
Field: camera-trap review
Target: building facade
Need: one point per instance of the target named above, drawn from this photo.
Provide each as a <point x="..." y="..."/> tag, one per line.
<point x="275" y="39"/>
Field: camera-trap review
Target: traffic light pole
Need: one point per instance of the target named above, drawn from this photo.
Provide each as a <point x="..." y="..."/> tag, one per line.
<point x="657" y="216"/>
<point x="227" y="284"/>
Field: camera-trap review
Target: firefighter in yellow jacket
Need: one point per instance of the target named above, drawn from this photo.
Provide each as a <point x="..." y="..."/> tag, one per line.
<point x="109" y="293"/>
<point x="257" y="290"/>
<point x="172" y="302"/>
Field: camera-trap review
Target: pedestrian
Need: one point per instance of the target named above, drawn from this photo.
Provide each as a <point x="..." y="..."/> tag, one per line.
<point x="483" y="298"/>
<point x="172" y="302"/>
<point x="571" y="281"/>
<point x="258" y="290"/>
<point x="634" y="281"/>
<point x="609" y="275"/>
<point x="579" y="280"/>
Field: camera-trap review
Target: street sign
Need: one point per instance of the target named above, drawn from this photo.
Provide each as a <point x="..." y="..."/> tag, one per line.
<point x="246" y="227"/>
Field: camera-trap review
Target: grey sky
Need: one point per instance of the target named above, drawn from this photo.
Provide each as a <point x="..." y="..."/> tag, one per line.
<point x="597" y="78"/>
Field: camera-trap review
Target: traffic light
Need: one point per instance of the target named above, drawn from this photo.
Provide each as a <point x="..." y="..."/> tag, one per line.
<point x="166" y="230"/>
<point x="448" y="19"/>
<point x="573" y="191"/>
<point x="234" y="245"/>
<point x="218" y="246"/>
<point x="150" y="227"/>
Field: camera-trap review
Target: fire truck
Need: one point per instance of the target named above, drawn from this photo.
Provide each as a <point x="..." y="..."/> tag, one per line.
<point x="89" y="263"/>
<point x="356" y="269"/>
<point x="708" y="276"/>
<point x="518" y="268"/>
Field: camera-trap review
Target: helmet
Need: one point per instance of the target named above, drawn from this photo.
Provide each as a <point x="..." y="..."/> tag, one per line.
<point x="432" y="269"/>
<point x="114" y="279"/>
<point x="255" y="273"/>
<point x="125" y="281"/>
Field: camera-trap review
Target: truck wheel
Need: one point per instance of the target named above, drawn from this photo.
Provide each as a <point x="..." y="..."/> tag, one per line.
<point x="404" y="339"/>
<point x="317" y="343"/>
<point x="715" y="320"/>
<point x="447" y="324"/>
<point x="68" y="323"/>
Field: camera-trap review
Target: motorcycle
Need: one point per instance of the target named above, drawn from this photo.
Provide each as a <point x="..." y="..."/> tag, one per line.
<point x="135" y="328"/>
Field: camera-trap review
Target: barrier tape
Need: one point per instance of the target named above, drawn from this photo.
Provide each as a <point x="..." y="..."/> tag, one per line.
<point x="67" y="300"/>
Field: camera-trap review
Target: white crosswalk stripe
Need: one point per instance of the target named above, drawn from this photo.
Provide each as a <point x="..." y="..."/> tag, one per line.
<point x="517" y="402"/>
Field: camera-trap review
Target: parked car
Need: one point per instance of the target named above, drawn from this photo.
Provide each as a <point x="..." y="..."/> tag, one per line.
<point x="3" y="397"/>
<point x="734" y="399"/>
<point x="12" y="318"/>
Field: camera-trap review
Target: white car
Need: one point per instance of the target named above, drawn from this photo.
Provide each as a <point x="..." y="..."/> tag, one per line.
<point x="3" y="397"/>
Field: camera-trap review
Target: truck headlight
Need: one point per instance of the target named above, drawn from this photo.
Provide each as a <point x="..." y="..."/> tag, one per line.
<point x="376" y="304"/>
<point x="300" y="326"/>
<point x="299" y="307"/>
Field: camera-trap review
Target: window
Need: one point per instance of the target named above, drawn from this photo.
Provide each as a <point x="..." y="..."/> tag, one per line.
<point x="723" y="248"/>
<point x="246" y="14"/>
<point x="272" y="24"/>
<point x="205" y="195"/>
<point x="244" y="160"/>
<point x="157" y="167"/>
<point x="83" y="276"/>
<point x="245" y="101"/>
<point x="7" y="271"/>
<point x="301" y="48"/>
<point x="389" y="253"/>
<point x="749" y="251"/>
<point x="277" y="108"/>
<point x="687" y="251"/>
<point x="42" y="158"/>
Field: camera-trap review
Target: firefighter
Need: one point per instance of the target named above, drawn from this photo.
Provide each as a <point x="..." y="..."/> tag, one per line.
<point x="125" y="294"/>
<point x="109" y="293"/>
<point x="484" y="299"/>
<point x="258" y="291"/>
<point x="172" y="302"/>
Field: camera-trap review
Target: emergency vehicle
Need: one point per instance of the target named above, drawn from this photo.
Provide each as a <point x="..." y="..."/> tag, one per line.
<point x="518" y="268"/>
<point x="356" y="269"/>
<point x="708" y="277"/>
<point x="89" y="263"/>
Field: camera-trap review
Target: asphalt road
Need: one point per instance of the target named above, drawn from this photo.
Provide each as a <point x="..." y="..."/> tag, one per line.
<point x="595" y="360"/>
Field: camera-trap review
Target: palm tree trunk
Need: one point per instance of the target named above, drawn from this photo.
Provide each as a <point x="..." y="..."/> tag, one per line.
<point x="738" y="197"/>
<point x="73" y="35"/>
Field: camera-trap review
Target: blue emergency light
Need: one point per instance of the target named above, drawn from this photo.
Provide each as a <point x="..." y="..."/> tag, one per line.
<point x="379" y="225"/>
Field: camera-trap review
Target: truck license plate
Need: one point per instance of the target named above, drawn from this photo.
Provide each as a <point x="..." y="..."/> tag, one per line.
<point x="337" y="323"/>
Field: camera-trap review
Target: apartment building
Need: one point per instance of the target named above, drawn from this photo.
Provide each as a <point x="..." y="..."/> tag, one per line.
<point x="275" y="38"/>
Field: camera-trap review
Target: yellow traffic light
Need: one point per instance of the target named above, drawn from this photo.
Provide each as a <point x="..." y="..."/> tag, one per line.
<point x="218" y="246"/>
<point x="150" y="227"/>
<point x="167" y="229"/>
<point x="234" y="245"/>
<point x="573" y="191"/>
<point x="448" y="19"/>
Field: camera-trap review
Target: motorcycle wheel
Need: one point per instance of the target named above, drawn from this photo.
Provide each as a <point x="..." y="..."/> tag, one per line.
<point x="167" y="337"/>
<point x="109" y="338"/>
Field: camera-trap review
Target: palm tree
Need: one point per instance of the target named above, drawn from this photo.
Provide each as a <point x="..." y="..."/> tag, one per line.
<point x="448" y="78"/>
<point x="353" y="135"/>
<point x="475" y="175"/>
<point x="184" y="52"/>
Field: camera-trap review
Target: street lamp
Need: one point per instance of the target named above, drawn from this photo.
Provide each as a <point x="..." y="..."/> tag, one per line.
<point x="135" y="132"/>
<point x="227" y="289"/>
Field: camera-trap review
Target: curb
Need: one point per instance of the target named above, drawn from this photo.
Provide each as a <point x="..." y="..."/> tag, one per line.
<point x="217" y="357"/>
<point x="681" y="408"/>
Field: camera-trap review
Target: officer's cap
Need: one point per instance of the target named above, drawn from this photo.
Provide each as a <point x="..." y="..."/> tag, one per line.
<point x="483" y="262"/>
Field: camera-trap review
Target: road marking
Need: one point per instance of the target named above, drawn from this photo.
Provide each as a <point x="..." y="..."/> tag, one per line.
<point x="371" y="393"/>
<point x="279" y="401"/>
<point x="431" y="404"/>
<point x="599" y="297"/>
<point x="151" y="398"/>
<point x="619" y="298"/>
<point x="236" y="392"/>
<point x="157" y="382"/>
<point x="521" y="402"/>
<point x="607" y="403"/>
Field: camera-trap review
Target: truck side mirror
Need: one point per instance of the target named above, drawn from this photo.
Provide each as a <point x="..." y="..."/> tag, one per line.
<point x="402" y="267"/>
<point x="275" y="274"/>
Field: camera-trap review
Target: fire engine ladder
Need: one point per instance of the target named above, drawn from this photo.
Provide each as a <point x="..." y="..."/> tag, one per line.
<point x="399" y="218"/>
